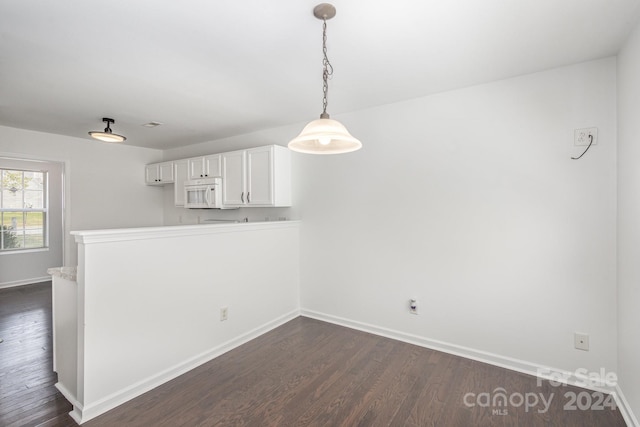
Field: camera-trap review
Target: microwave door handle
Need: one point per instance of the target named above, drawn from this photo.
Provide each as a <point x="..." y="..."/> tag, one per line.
<point x="207" y="196"/>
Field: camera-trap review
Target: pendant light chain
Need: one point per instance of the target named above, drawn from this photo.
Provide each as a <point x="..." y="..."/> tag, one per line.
<point x="327" y="70"/>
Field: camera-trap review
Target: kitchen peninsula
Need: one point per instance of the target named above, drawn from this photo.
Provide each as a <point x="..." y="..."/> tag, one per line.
<point x="148" y="304"/>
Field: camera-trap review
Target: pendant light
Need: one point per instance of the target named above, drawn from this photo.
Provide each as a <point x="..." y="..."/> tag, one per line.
<point x="107" y="135"/>
<point x="325" y="135"/>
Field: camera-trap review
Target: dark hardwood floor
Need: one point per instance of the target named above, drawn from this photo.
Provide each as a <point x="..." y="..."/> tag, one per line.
<point x="27" y="393"/>
<point x="305" y="372"/>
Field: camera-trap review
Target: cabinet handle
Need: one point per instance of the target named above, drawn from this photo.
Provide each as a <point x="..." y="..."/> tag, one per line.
<point x="248" y="199"/>
<point x="242" y="197"/>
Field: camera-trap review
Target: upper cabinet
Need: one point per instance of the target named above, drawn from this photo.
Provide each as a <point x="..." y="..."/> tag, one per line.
<point x="205" y="167"/>
<point x="159" y="173"/>
<point x="257" y="177"/>
<point x="233" y="179"/>
<point x="181" y="174"/>
<point x="261" y="173"/>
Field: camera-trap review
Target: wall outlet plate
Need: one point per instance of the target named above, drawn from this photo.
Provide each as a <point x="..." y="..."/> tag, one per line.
<point x="583" y="136"/>
<point x="224" y="313"/>
<point x="413" y="306"/>
<point x="581" y="341"/>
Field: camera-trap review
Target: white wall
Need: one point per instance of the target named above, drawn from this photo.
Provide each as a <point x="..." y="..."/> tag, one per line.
<point x="104" y="182"/>
<point x="468" y="200"/>
<point x="628" y="219"/>
<point x="150" y="301"/>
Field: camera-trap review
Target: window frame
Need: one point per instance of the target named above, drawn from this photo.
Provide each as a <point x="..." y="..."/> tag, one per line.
<point x="44" y="210"/>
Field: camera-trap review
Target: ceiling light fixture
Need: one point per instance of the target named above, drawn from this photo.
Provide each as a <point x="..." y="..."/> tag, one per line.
<point x="325" y="135"/>
<point x="107" y="135"/>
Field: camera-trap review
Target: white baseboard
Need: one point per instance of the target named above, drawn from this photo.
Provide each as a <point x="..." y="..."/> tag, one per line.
<point x="76" y="413"/>
<point x="522" y="366"/>
<point x="93" y="409"/>
<point x="625" y="409"/>
<point x="24" y="282"/>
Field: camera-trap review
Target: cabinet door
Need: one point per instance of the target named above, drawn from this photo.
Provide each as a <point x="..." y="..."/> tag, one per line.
<point x="165" y="172"/>
<point x="213" y="165"/>
<point x="260" y="176"/>
<point x="181" y="174"/>
<point x="151" y="174"/>
<point x="233" y="179"/>
<point x="196" y="168"/>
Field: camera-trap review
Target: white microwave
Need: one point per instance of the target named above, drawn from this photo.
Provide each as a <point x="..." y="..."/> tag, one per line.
<point x="203" y="193"/>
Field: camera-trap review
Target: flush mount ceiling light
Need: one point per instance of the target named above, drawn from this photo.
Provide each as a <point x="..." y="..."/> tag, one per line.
<point x="325" y="135"/>
<point x="107" y="135"/>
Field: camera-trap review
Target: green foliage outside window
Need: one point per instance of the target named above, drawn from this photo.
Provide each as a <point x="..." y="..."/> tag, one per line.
<point x="9" y="238"/>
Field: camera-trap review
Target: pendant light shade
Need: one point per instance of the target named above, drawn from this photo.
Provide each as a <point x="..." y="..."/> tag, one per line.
<point x="107" y="135"/>
<point x="325" y="135"/>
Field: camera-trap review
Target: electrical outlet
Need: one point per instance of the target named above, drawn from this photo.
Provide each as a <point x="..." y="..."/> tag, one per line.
<point x="224" y="313"/>
<point x="583" y="136"/>
<point x="413" y="306"/>
<point x="581" y="341"/>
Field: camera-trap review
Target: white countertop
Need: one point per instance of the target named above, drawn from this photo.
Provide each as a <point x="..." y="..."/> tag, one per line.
<point x="68" y="273"/>
<point x="122" y="234"/>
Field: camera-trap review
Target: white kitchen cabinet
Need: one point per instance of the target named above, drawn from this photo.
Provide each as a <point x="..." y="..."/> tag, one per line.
<point x="257" y="177"/>
<point x="159" y="173"/>
<point x="260" y="165"/>
<point x="181" y="174"/>
<point x="206" y="166"/>
<point x="233" y="178"/>
<point x="196" y="168"/>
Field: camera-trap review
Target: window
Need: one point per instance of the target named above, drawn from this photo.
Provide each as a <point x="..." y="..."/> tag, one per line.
<point x="23" y="210"/>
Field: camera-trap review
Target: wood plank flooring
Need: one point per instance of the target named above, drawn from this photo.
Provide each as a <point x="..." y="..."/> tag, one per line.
<point x="310" y="373"/>
<point x="27" y="393"/>
<point x="304" y="373"/>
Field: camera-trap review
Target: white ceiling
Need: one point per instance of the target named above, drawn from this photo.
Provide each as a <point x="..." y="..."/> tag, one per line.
<point x="211" y="69"/>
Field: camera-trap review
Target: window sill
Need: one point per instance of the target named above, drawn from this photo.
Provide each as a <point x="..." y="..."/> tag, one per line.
<point x="22" y="251"/>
